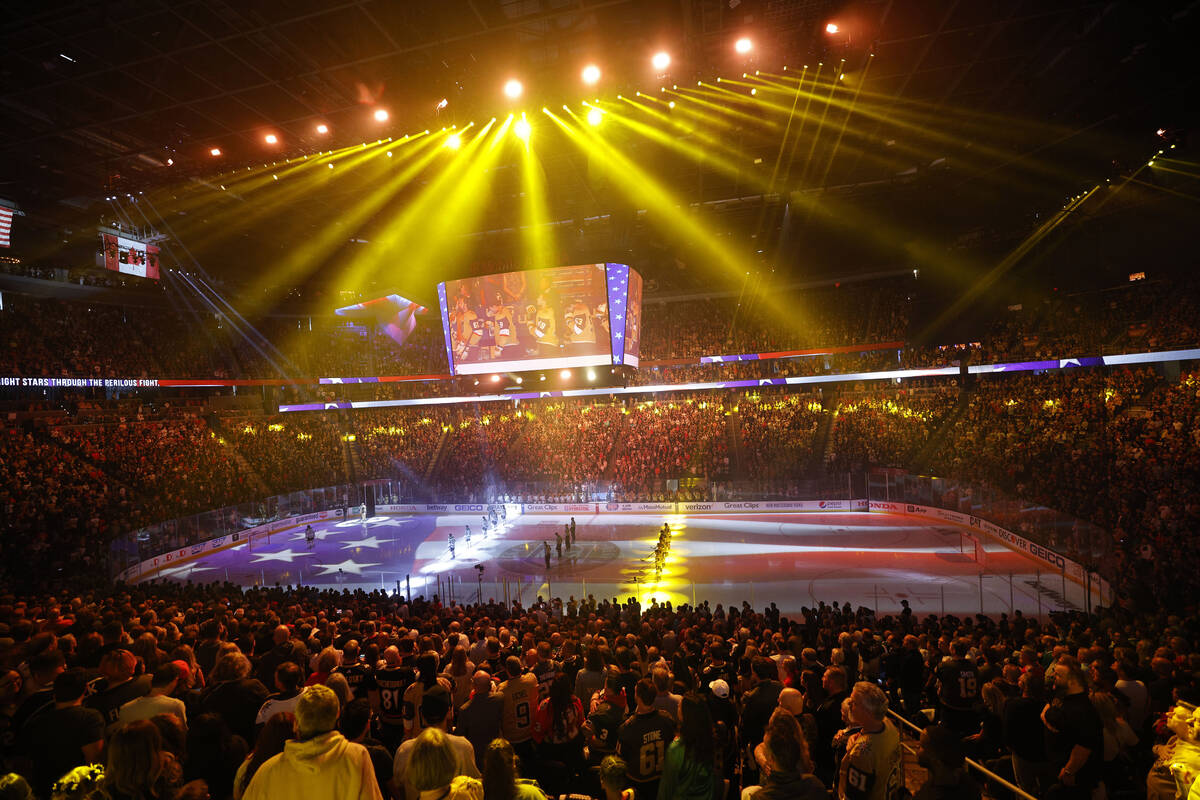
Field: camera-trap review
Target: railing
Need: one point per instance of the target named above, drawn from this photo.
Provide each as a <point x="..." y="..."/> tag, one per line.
<point x="975" y="766"/>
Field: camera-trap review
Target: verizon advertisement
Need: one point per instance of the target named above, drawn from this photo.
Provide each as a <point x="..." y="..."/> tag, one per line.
<point x="129" y="256"/>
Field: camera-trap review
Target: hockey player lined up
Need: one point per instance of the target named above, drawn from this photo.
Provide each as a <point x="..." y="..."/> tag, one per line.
<point x="558" y="543"/>
<point x="467" y="536"/>
<point x="451" y="542"/>
<point x="485" y="526"/>
<point x="546" y="545"/>
<point x="572" y="530"/>
<point x="310" y="536"/>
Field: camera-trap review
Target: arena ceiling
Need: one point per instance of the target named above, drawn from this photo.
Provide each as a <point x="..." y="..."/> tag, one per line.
<point x="96" y="97"/>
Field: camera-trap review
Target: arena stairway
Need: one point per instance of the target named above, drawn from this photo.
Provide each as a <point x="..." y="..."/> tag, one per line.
<point x="617" y="442"/>
<point x="217" y="425"/>
<point x="737" y="451"/>
<point x="427" y="475"/>
<point x="822" y="439"/>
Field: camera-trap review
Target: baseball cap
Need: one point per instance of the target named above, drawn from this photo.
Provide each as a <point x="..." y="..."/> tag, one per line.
<point x="719" y="688"/>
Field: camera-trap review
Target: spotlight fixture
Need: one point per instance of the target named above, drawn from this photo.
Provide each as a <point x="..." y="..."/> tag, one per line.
<point x="495" y="379"/>
<point x="591" y="74"/>
<point x="743" y="45"/>
<point x="522" y="129"/>
<point x="170" y="162"/>
<point x="216" y="151"/>
<point x="381" y="115"/>
<point x="513" y="89"/>
<point x="442" y="104"/>
<point x="322" y="128"/>
<point x="454" y="142"/>
<point x="591" y="375"/>
<point x="661" y="60"/>
<point x="595" y="117"/>
<point x="671" y="104"/>
<point x="832" y="28"/>
<point x="271" y="138"/>
<point x="566" y="373"/>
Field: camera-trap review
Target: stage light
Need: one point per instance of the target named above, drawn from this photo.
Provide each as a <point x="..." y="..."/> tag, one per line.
<point x="271" y="138"/>
<point x="522" y="129"/>
<point x="754" y="91"/>
<point x="170" y="162"/>
<point x="322" y="128"/>
<point x="595" y="116"/>
<point x="661" y="60"/>
<point x="330" y="166"/>
<point x="591" y="375"/>
<point x="832" y="28"/>
<point x="454" y="142"/>
<point x="381" y="115"/>
<point x="513" y="89"/>
<point x="495" y="379"/>
<point x="520" y="379"/>
<point x="591" y="74"/>
<point x="671" y="104"/>
<point x="442" y="104"/>
<point x="216" y="151"/>
<point x="566" y="373"/>
<point x="389" y="153"/>
<point x="743" y="45"/>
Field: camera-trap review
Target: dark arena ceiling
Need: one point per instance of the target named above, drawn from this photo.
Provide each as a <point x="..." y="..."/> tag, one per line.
<point x="956" y="120"/>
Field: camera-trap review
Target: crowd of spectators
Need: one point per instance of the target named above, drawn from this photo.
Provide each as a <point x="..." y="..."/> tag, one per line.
<point x="176" y="466"/>
<point x="180" y="691"/>
<point x="671" y="439"/>
<point x="290" y="452"/>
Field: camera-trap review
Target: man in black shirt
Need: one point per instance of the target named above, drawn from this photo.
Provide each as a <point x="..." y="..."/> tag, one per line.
<point x="479" y="718"/>
<point x="1074" y="732"/>
<point x="65" y="736"/>
<point x="119" y="686"/>
<point x="642" y="741"/>
<point x="958" y="691"/>
<point x="358" y="674"/>
<point x="391" y="683"/>
<point x="829" y="722"/>
<point x="1025" y="734"/>
<point x="761" y="701"/>
<point x="44" y="668"/>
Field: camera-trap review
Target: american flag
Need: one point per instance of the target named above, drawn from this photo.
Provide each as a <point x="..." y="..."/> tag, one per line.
<point x="6" y="218"/>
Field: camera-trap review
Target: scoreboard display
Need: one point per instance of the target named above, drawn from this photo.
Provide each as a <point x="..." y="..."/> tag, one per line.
<point x="561" y="317"/>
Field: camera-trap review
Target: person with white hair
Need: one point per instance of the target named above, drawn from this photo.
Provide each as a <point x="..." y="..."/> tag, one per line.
<point x="319" y="762"/>
<point x="871" y="768"/>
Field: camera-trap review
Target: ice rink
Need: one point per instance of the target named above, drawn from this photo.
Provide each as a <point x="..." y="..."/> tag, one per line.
<point x="792" y="559"/>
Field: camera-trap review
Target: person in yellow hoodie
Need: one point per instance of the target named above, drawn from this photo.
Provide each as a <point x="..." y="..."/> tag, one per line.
<point x="320" y="763"/>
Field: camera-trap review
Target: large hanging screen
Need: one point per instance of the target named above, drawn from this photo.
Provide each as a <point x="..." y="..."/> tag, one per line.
<point x="561" y="317"/>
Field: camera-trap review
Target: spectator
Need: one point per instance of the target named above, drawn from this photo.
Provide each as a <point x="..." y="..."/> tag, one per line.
<point x="213" y="754"/>
<point x="319" y="762"/>
<point x="479" y="720"/>
<point x="786" y="769"/>
<point x="1074" y="732"/>
<point x="65" y="736"/>
<point x="941" y="754"/>
<point x="501" y="779"/>
<point x="692" y="770"/>
<point x="871" y="768"/>
<point x="642" y="740"/>
<point x="118" y="687"/>
<point x="436" y="710"/>
<point x="278" y="729"/>
<point x="233" y="695"/>
<point x="160" y="701"/>
<point x="136" y="765"/>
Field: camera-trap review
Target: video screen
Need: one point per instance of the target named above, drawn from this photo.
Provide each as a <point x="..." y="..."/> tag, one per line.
<point x="537" y="319"/>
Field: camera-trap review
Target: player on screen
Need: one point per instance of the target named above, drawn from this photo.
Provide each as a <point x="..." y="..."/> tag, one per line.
<point x="310" y="536"/>
<point x="543" y="328"/>
<point x="579" y="326"/>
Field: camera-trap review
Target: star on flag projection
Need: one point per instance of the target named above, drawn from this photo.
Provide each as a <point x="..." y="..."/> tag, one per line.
<point x="555" y="318"/>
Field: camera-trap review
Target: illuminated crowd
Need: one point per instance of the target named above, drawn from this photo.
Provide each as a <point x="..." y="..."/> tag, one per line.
<point x="182" y="691"/>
